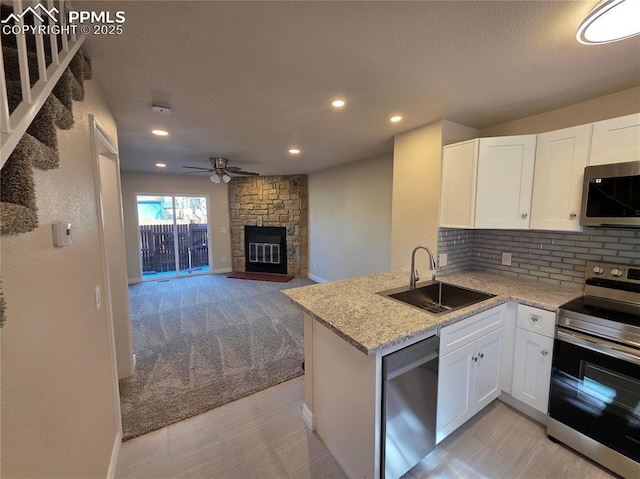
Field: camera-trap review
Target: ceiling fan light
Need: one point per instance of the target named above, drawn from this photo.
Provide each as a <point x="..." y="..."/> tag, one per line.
<point x="215" y="178"/>
<point x="226" y="178"/>
<point x="610" y="21"/>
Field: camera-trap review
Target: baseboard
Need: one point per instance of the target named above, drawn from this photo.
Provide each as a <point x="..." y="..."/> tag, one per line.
<point x="524" y="408"/>
<point x="111" y="472"/>
<point x="222" y="270"/>
<point x="134" y="281"/>
<point x="309" y="418"/>
<point x="317" y="279"/>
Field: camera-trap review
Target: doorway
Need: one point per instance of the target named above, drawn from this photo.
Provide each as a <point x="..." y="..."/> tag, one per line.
<point x="174" y="235"/>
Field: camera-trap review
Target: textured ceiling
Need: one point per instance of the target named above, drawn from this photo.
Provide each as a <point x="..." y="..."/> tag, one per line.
<point x="248" y="80"/>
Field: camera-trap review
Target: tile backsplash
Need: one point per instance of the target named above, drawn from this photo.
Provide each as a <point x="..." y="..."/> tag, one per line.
<point x="554" y="257"/>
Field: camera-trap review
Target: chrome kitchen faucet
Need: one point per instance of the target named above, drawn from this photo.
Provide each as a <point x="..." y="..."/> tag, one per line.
<point x="413" y="277"/>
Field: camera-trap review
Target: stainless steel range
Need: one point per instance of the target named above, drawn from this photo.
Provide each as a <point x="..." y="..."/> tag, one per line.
<point x="594" y="401"/>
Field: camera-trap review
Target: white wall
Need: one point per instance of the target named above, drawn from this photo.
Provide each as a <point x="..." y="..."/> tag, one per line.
<point x="417" y="160"/>
<point x="58" y="401"/>
<point x="350" y="219"/>
<point x="617" y="104"/>
<point x="416" y="195"/>
<point x="142" y="183"/>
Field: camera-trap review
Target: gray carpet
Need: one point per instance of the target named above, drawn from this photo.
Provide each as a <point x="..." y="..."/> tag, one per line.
<point x="203" y="341"/>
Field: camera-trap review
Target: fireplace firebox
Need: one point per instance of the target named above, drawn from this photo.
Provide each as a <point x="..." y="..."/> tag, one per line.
<point x="265" y="249"/>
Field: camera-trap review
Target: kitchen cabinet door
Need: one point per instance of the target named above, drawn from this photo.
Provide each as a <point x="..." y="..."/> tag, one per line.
<point x="616" y="140"/>
<point x="532" y="369"/>
<point x="557" y="185"/>
<point x="505" y="182"/>
<point x="458" y="194"/>
<point x="455" y="405"/>
<point x="487" y="369"/>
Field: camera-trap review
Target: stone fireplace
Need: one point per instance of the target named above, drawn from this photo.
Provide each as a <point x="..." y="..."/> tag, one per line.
<point x="269" y="202"/>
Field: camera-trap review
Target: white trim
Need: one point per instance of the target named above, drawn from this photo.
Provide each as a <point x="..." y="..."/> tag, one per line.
<point x="228" y="269"/>
<point x="309" y="418"/>
<point x="100" y="137"/>
<point x="115" y="451"/>
<point x="317" y="279"/>
<point x="24" y="114"/>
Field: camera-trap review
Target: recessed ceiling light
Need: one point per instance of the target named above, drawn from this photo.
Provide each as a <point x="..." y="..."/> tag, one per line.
<point x="610" y="21"/>
<point x="395" y="119"/>
<point x="294" y="151"/>
<point x="160" y="132"/>
<point x="161" y="165"/>
<point x="338" y="103"/>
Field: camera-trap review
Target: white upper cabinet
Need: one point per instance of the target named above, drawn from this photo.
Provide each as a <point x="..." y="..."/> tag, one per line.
<point x="557" y="186"/>
<point x="505" y="182"/>
<point x="616" y="140"/>
<point x="458" y="197"/>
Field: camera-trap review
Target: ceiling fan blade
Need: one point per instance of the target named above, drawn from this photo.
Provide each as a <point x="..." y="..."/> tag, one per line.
<point x="197" y="168"/>
<point x="247" y="173"/>
<point x="233" y="168"/>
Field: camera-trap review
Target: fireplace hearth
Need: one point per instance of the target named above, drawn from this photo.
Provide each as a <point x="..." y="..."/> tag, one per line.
<point x="265" y="249"/>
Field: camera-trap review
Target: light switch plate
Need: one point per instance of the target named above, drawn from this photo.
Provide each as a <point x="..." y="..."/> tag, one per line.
<point x="98" y="297"/>
<point x="506" y="259"/>
<point x="442" y="259"/>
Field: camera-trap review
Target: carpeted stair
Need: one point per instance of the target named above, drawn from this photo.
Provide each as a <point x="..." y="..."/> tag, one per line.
<point x="39" y="145"/>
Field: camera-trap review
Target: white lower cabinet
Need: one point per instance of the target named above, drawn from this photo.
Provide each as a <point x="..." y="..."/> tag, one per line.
<point x="532" y="357"/>
<point x="469" y="370"/>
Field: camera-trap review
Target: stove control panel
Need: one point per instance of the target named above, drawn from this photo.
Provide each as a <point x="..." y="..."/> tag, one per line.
<point x="612" y="271"/>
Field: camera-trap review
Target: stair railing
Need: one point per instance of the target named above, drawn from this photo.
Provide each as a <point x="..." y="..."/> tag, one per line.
<point x="54" y="25"/>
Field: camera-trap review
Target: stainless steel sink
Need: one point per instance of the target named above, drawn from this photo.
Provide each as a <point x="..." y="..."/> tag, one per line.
<point x="436" y="297"/>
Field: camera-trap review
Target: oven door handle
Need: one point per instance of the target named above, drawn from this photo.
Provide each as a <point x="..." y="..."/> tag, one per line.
<point x="600" y="346"/>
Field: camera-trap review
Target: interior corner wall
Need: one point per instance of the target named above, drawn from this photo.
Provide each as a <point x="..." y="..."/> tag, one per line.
<point x="58" y="402"/>
<point x="350" y="219"/>
<point x="134" y="183"/>
<point x="417" y="156"/>
<point x="617" y="104"/>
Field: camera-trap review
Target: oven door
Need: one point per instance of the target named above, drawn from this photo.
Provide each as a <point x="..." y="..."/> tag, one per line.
<point x="595" y="389"/>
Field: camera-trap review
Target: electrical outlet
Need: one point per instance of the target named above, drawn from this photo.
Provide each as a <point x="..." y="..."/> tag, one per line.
<point x="442" y="259"/>
<point x="223" y="259"/>
<point x="506" y="259"/>
<point x="223" y="229"/>
<point x="98" y="297"/>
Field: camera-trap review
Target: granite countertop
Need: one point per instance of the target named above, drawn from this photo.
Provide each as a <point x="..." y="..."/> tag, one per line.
<point x="370" y="322"/>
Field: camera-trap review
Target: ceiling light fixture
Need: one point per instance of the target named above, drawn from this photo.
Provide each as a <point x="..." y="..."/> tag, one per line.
<point x="216" y="177"/>
<point x="395" y="119"/>
<point x="294" y="151"/>
<point x="160" y="132"/>
<point x="610" y="21"/>
<point x="338" y="103"/>
<point x="161" y="165"/>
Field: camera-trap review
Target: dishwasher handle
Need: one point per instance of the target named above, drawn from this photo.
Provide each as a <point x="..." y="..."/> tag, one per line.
<point x="398" y="363"/>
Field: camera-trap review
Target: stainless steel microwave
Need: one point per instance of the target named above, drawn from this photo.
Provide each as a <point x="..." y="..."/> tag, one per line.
<point x="611" y="195"/>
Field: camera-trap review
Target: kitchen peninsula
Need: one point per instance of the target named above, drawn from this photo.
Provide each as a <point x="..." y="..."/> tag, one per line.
<point x="349" y="328"/>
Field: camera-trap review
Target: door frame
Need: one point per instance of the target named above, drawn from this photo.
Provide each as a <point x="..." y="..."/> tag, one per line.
<point x="103" y="145"/>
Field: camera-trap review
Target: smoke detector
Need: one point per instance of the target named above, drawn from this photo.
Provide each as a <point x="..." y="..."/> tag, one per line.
<point x="160" y="108"/>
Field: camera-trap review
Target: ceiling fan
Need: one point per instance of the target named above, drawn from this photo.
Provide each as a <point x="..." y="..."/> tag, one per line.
<point x="220" y="170"/>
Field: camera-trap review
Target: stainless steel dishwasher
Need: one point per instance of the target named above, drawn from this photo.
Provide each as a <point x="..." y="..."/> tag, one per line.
<point x="409" y="395"/>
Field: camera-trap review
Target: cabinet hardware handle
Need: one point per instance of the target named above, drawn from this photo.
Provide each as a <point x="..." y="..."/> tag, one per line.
<point x="481" y="355"/>
<point x="573" y="216"/>
<point x="475" y="359"/>
<point x="524" y="216"/>
<point x="544" y="352"/>
<point x="535" y="318"/>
